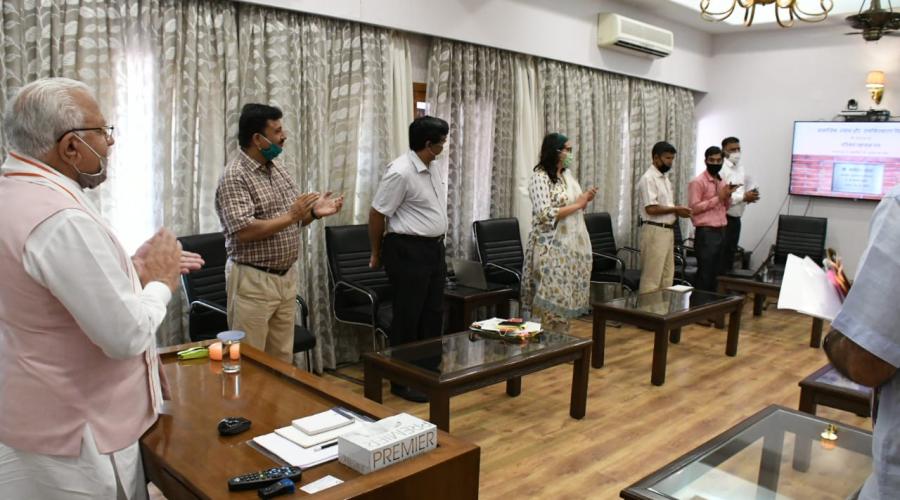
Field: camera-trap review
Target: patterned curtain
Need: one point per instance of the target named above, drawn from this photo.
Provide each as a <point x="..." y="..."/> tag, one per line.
<point x="333" y="85"/>
<point x="591" y="108"/>
<point x="472" y="87"/>
<point x="173" y="75"/>
<point x="661" y="113"/>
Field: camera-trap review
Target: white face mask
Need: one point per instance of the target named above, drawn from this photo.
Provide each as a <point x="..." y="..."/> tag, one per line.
<point x="735" y="157"/>
<point x="91" y="181"/>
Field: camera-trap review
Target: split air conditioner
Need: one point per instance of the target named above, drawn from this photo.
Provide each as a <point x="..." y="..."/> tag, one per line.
<point x="634" y="37"/>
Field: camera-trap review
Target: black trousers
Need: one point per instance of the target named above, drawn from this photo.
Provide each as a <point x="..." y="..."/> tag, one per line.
<point x="732" y="236"/>
<point x="417" y="271"/>
<point x="709" y="243"/>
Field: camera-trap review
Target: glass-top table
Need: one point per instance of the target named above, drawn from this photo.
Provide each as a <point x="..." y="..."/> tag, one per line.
<point x="775" y="454"/>
<point x="665" y="312"/>
<point x="453" y="364"/>
<point x="762" y="284"/>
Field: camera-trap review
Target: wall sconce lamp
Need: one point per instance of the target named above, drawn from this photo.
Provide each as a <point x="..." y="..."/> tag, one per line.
<point x="875" y="84"/>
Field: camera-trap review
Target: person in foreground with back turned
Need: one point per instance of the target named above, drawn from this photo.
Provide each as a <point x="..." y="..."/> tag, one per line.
<point x="864" y="344"/>
<point x="80" y="380"/>
<point x="407" y="223"/>
<point x="556" y="278"/>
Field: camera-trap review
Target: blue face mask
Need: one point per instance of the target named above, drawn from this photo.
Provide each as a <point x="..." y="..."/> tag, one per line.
<point x="272" y="151"/>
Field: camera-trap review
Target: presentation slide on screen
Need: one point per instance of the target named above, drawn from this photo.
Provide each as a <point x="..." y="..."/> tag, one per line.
<point x="859" y="160"/>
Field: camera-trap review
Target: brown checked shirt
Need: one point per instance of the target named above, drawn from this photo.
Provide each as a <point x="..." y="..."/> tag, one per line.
<point x="249" y="191"/>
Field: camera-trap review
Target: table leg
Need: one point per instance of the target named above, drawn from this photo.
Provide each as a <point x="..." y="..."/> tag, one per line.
<point x="803" y="444"/>
<point x="468" y="310"/>
<point x="660" y="349"/>
<point x="514" y="386"/>
<point x="719" y="322"/>
<point x="734" y="330"/>
<point x="578" y="401"/>
<point x="599" y="335"/>
<point x="770" y="464"/>
<point x="503" y="309"/>
<point x="759" y="300"/>
<point x="372" y="381"/>
<point x="675" y="335"/>
<point x="815" y="337"/>
<point x="439" y="410"/>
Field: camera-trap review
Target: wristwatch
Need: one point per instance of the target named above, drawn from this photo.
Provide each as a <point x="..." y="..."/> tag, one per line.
<point x="312" y="211"/>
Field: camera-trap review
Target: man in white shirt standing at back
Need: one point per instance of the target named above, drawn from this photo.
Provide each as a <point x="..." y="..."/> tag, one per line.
<point x="733" y="173"/>
<point x="79" y="373"/>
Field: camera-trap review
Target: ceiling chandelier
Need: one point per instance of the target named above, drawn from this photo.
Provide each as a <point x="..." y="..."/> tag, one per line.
<point x="783" y="8"/>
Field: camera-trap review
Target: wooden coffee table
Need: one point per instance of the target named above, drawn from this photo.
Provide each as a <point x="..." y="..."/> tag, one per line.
<point x="666" y="312"/>
<point x="761" y="288"/>
<point x="463" y="302"/>
<point x="454" y="364"/>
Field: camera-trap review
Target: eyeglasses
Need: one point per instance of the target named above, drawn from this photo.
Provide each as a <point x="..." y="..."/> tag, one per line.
<point x="107" y="131"/>
<point x="568" y="150"/>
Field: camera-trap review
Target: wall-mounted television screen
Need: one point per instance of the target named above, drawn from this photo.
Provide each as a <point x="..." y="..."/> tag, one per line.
<point x="856" y="160"/>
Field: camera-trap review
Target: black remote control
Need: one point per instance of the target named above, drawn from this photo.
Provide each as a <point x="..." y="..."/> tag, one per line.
<point x="282" y="487"/>
<point x="262" y="478"/>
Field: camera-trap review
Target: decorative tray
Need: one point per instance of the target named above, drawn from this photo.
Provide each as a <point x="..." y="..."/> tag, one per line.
<point x="499" y="328"/>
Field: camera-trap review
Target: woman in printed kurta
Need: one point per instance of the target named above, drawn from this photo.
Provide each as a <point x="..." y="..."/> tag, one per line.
<point x="556" y="279"/>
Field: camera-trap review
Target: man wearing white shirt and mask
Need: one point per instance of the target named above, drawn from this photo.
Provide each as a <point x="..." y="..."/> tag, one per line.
<point x="733" y="173"/>
<point x="78" y="316"/>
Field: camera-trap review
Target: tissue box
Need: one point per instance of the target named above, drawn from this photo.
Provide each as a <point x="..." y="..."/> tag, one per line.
<point x="386" y="442"/>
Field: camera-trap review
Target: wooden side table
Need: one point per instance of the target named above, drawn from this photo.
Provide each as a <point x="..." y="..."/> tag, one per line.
<point x="827" y="387"/>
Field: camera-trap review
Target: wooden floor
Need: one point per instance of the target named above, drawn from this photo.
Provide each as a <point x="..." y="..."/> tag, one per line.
<point x="531" y="448"/>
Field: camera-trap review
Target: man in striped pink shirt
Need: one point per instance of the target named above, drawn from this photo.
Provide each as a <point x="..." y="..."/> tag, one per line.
<point x="709" y="198"/>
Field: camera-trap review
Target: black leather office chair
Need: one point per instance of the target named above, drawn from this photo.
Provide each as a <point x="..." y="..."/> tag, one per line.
<point x="685" y="259"/>
<point x="360" y="296"/>
<point x="798" y="235"/>
<point x="499" y="249"/>
<point x="205" y="291"/>
<point x="608" y="266"/>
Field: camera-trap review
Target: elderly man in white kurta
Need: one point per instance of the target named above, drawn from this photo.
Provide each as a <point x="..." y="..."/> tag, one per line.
<point x="78" y="316"/>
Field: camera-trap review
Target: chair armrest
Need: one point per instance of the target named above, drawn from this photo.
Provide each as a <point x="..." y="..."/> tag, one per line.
<point x="505" y="269"/>
<point x="628" y="249"/>
<point x="304" y="312"/>
<point x="211" y="306"/>
<point x="620" y="264"/>
<point x="362" y="289"/>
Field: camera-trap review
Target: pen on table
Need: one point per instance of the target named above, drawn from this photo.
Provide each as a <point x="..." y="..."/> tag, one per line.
<point x="326" y="445"/>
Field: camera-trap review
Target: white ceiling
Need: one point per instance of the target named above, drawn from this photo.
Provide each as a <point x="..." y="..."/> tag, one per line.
<point x="687" y="12"/>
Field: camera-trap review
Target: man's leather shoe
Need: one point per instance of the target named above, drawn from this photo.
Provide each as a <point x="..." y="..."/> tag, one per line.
<point x="408" y="393"/>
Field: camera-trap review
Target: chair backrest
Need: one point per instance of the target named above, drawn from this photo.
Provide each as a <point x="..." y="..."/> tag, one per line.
<point x="207" y="283"/>
<point x="348" y="260"/>
<point x="603" y="240"/>
<point x="497" y="241"/>
<point x="801" y="236"/>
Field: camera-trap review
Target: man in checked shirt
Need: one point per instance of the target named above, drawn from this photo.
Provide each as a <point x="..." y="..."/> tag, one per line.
<point x="261" y="210"/>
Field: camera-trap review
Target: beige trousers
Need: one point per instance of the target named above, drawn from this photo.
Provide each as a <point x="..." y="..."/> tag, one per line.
<point x="657" y="258"/>
<point x="263" y="305"/>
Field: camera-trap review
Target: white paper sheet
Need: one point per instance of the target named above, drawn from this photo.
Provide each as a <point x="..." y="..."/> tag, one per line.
<point x="805" y="288"/>
<point x="295" y="454"/>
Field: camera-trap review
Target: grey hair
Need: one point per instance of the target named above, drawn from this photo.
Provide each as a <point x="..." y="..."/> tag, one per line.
<point x="40" y="112"/>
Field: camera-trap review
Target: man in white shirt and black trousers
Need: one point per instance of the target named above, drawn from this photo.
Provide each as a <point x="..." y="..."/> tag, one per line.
<point x="407" y="224"/>
<point x="733" y="173"/>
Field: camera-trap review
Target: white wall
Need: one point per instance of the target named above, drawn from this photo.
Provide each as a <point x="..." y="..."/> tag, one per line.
<point x="765" y="81"/>
<point x="564" y="30"/>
